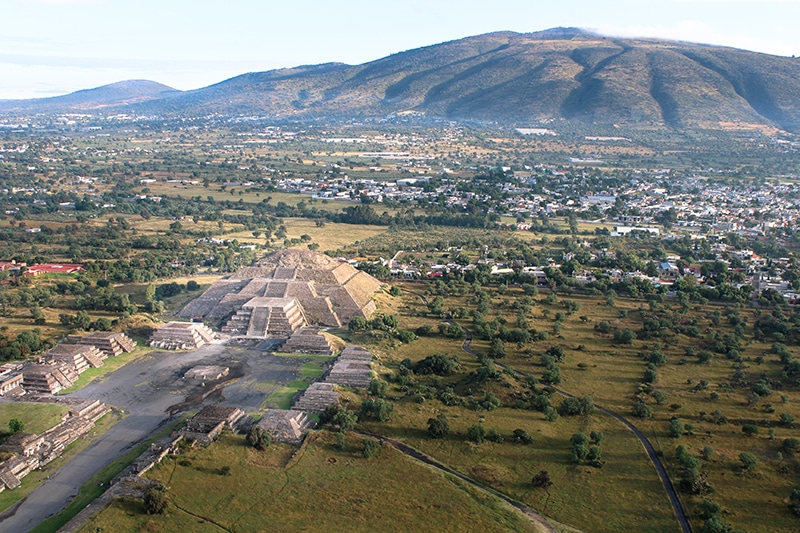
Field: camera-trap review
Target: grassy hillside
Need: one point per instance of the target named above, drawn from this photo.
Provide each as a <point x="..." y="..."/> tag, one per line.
<point x="317" y="488"/>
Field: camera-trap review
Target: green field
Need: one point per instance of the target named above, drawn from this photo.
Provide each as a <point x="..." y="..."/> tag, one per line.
<point x="321" y="488"/>
<point x="311" y="370"/>
<point x="37" y="417"/>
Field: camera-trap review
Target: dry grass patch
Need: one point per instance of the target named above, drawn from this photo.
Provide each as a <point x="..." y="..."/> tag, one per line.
<point x="585" y="497"/>
<point x="344" y="487"/>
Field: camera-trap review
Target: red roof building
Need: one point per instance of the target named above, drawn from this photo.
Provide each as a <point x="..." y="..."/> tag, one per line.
<point x="54" y="268"/>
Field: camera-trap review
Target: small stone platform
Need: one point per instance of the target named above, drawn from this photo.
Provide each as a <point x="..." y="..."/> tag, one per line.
<point x="286" y="425"/>
<point x="181" y="336"/>
<point x="351" y="368"/>
<point x="316" y="398"/>
<point x="308" y="340"/>
<point x="207" y="372"/>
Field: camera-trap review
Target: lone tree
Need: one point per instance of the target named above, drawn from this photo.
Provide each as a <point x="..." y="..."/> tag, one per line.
<point x="15" y="425"/>
<point x="749" y="461"/>
<point x="438" y="427"/>
<point x="476" y="433"/>
<point x="155" y="499"/>
<point x="498" y="349"/>
<point x="542" y="480"/>
<point x="258" y="438"/>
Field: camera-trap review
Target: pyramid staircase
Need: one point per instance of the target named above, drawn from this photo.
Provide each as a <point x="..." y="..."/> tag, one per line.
<point x="262" y="316"/>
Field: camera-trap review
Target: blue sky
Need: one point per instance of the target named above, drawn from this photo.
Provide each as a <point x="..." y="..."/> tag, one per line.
<point x="50" y="47"/>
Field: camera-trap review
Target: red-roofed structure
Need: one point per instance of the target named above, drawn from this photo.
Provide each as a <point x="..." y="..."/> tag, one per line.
<point x="54" y="268"/>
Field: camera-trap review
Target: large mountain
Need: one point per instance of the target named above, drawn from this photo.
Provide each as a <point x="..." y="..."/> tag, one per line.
<point x="560" y="74"/>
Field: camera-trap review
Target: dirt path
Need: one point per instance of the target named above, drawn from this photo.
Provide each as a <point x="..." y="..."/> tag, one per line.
<point x="675" y="501"/>
<point x="529" y="512"/>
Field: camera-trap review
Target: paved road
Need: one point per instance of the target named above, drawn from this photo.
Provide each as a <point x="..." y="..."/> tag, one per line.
<point x="145" y="389"/>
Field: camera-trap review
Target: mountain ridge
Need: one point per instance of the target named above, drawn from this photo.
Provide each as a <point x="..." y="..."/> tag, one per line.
<point x="118" y="93"/>
<point x="561" y="74"/>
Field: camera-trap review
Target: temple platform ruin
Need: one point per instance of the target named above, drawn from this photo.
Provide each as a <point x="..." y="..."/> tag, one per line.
<point x="181" y="336"/>
<point x="328" y="293"/>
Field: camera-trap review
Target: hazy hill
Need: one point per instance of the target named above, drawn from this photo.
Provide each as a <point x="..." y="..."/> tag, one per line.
<point x="559" y="74"/>
<point x="120" y="93"/>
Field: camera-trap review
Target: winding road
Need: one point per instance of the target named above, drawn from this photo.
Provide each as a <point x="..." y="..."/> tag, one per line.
<point x="677" y="506"/>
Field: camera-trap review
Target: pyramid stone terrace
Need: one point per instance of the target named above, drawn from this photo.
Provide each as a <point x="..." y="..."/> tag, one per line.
<point x="329" y="292"/>
<point x="111" y="343"/>
<point x="316" y="398"/>
<point x="48" y="378"/>
<point x="352" y="368"/>
<point x="308" y="340"/>
<point x="210" y="421"/>
<point x="181" y="336"/>
<point x="286" y="425"/>
<point x="80" y="356"/>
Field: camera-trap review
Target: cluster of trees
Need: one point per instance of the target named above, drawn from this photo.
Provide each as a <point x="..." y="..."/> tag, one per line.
<point x="25" y="344"/>
<point x="692" y="480"/>
<point x="438" y="364"/>
<point x="381" y="322"/>
<point x="82" y="321"/>
<point x="478" y="434"/>
<point x="106" y="299"/>
<point x="586" y="449"/>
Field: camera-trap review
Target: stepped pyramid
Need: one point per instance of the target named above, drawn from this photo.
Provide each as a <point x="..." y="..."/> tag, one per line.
<point x="262" y="316"/>
<point x="328" y="291"/>
<point x="308" y="340"/>
<point x="351" y="368"/>
<point x="48" y="378"/>
<point x="286" y="426"/>
<point x="111" y="343"/>
<point x="316" y="398"/>
<point x="81" y="357"/>
<point x="181" y="336"/>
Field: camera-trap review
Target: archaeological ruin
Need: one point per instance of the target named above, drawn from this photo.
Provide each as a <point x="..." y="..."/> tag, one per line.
<point x="206" y="372"/>
<point x="111" y="343"/>
<point x="352" y="368"/>
<point x="284" y="291"/>
<point x="286" y="425"/>
<point x="210" y="421"/>
<point x="308" y="340"/>
<point x="316" y="398"/>
<point x="79" y="356"/>
<point x="181" y="336"/>
<point x="29" y="451"/>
